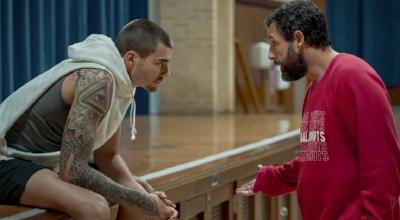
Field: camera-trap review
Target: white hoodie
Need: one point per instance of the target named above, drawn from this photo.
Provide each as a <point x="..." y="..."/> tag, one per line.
<point x="96" y="51"/>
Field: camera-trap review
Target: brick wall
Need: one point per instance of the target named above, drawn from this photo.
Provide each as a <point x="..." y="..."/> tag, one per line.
<point x="202" y="72"/>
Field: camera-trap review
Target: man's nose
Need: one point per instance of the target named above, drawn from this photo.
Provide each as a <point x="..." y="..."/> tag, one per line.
<point x="271" y="55"/>
<point x="165" y="70"/>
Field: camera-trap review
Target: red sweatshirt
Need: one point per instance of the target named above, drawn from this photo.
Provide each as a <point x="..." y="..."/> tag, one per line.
<point x="349" y="162"/>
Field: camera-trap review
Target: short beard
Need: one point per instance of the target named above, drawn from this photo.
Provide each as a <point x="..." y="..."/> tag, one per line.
<point x="294" y="67"/>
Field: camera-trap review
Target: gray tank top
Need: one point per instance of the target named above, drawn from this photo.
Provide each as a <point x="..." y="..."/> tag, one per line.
<point x="40" y="128"/>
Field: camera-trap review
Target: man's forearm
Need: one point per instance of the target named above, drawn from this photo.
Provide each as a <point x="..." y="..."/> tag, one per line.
<point x="113" y="192"/>
<point x="115" y="168"/>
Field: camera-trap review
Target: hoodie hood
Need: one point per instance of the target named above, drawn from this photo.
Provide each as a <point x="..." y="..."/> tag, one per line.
<point x="101" y="49"/>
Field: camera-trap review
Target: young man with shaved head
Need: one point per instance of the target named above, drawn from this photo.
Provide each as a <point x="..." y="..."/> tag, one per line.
<point x="63" y="116"/>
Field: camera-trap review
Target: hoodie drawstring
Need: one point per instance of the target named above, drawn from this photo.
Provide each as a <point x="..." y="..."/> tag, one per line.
<point x="132" y="118"/>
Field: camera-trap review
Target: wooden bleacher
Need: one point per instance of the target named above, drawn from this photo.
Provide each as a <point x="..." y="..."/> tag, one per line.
<point x="200" y="160"/>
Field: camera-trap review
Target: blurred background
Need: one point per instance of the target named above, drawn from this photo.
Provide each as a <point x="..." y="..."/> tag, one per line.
<point x="219" y="53"/>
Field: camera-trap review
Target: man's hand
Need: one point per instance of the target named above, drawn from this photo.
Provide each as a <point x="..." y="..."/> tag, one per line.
<point x="160" y="194"/>
<point x="246" y="189"/>
<point x="163" y="197"/>
<point x="164" y="211"/>
<point x="145" y="185"/>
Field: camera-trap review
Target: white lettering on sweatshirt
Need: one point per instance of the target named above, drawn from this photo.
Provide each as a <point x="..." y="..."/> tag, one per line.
<point x="312" y="137"/>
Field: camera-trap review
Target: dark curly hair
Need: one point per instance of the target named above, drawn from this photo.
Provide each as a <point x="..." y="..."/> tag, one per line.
<point x="304" y="16"/>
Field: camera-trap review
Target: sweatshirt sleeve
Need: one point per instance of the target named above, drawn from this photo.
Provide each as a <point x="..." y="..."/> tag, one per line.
<point x="277" y="180"/>
<point x="367" y="118"/>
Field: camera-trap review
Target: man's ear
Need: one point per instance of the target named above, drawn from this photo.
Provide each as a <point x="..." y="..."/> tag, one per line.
<point x="298" y="38"/>
<point x="130" y="58"/>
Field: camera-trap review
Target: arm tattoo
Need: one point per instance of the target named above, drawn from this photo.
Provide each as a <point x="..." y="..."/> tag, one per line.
<point x="93" y="91"/>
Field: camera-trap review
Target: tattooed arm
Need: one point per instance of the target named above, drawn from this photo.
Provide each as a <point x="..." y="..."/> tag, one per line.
<point x="110" y="162"/>
<point x="93" y="91"/>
